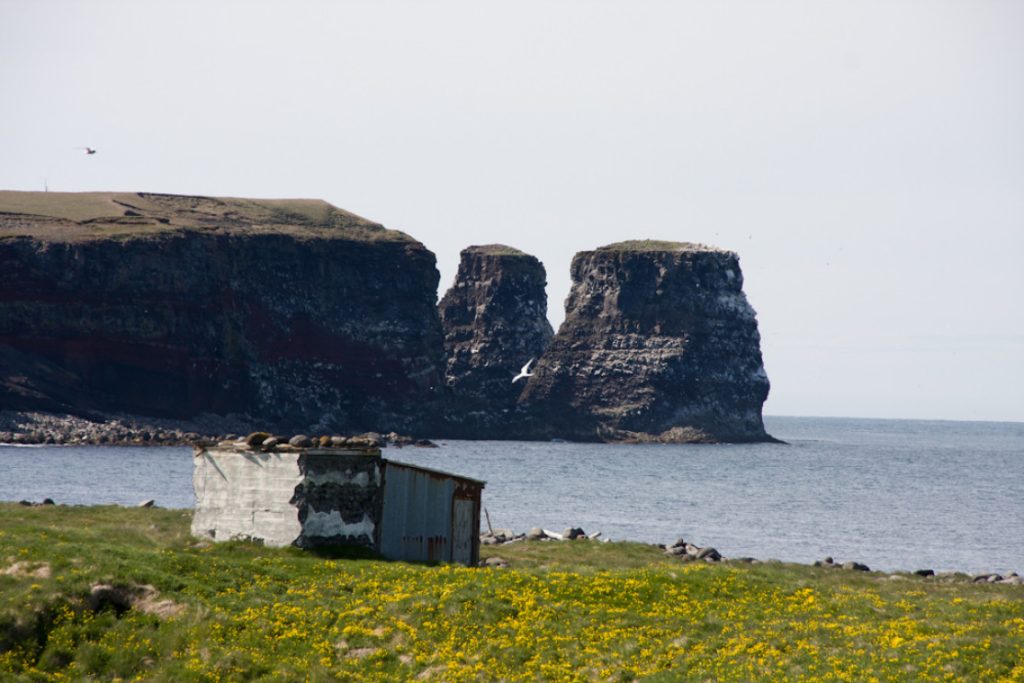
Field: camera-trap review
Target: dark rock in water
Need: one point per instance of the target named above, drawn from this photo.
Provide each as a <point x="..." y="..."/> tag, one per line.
<point x="293" y="312"/>
<point x="658" y="344"/>
<point x="495" y="321"/>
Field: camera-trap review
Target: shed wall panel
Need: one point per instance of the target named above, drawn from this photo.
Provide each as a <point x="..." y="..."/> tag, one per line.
<point x="246" y="496"/>
<point x="465" y="528"/>
<point x="416" y="521"/>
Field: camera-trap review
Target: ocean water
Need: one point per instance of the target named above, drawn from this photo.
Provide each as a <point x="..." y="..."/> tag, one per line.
<point x="894" y="494"/>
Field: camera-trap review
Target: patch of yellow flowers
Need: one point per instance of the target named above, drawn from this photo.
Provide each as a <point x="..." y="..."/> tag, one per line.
<point x="391" y="621"/>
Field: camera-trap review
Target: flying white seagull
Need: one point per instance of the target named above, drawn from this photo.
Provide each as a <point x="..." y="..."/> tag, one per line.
<point x="524" y="372"/>
<point x="88" y="150"/>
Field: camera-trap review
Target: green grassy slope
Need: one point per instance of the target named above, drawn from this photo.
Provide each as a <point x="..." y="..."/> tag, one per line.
<point x="658" y="245"/>
<point x="67" y="216"/>
<point x="576" y="611"/>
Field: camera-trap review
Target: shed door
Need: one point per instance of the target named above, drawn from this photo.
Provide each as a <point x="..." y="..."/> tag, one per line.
<point x="462" y="531"/>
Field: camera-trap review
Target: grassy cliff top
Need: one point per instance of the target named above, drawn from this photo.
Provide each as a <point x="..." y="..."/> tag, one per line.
<point x="659" y="245"/>
<point x="69" y="216"/>
<point x="494" y="250"/>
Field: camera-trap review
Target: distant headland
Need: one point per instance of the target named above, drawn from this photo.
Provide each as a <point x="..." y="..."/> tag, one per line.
<point x="180" y="316"/>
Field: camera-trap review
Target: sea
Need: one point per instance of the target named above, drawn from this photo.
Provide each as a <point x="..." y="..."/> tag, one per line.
<point x="893" y="494"/>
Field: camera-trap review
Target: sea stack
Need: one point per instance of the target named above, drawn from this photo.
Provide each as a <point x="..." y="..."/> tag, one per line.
<point x="495" y="320"/>
<point x="659" y="343"/>
<point x="293" y="312"/>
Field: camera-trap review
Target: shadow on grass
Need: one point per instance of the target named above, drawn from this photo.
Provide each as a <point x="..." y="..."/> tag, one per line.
<point x="344" y="552"/>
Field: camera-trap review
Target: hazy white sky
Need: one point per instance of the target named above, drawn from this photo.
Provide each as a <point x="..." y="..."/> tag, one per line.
<point x="865" y="159"/>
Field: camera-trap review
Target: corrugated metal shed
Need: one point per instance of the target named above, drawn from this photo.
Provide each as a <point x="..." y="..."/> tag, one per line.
<point x="336" y="496"/>
<point x="429" y="516"/>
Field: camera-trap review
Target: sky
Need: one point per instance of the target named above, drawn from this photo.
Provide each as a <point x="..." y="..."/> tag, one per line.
<point x="864" y="159"/>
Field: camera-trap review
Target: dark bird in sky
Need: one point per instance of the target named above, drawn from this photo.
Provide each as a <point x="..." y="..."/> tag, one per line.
<point x="88" y="150"/>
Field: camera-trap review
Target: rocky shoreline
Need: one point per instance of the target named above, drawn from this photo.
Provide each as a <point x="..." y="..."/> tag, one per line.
<point x="17" y="427"/>
<point x="37" y="428"/>
<point x="684" y="551"/>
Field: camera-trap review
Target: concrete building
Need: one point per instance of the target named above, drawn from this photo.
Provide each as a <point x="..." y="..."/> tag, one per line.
<point x="312" y="497"/>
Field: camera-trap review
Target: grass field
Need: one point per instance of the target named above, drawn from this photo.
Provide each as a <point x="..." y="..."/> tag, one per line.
<point x="572" y="611"/>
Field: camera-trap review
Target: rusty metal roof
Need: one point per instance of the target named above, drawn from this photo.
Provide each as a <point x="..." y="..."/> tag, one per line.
<point x="436" y="473"/>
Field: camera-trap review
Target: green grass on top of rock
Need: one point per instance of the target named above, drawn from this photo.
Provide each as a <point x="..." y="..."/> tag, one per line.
<point x="658" y="245"/>
<point x="66" y="216"/>
<point x="570" y="611"/>
<point x="494" y="250"/>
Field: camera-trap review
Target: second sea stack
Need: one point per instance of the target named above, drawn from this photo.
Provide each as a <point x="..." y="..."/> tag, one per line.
<point x="659" y="343"/>
<point x="495" y="320"/>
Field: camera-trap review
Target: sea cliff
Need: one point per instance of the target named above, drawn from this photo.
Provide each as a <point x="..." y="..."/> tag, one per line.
<point x="659" y="343"/>
<point x="168" y="317"/>
<point x="495" y="321"/>
<point x="292" y="311"/>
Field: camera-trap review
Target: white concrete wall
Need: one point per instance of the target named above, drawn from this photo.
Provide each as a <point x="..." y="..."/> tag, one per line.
<point x="245" y="495"/>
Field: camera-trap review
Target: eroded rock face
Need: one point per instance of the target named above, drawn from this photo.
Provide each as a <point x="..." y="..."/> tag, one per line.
<point x="495" y="320"/>
<point x="659" y="343"/>
<point x="292" y="311"/>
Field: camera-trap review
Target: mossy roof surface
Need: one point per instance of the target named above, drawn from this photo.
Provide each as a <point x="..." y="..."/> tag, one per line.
<point x="70" y="216"/>
<point x="494" y="250"/>
<point x="658" y="245"/>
